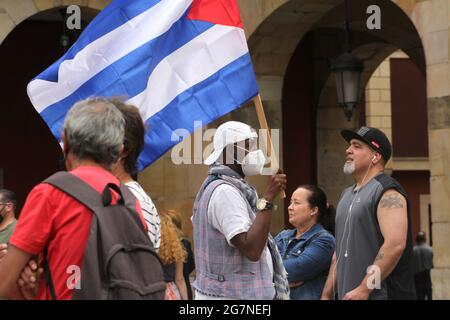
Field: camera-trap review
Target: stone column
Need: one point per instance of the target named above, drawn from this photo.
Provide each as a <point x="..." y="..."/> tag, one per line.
<point x="439" y="142"/>
<point x="432" y="21"/>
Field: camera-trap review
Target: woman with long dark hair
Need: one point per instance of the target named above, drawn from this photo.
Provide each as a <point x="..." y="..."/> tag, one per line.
<point x="308" y="248"/>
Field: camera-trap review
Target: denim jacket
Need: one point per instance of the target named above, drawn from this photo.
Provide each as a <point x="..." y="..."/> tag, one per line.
<point x="310" y="263"/>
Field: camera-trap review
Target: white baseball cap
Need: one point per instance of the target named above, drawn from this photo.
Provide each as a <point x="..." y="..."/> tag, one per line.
<point x="229" y="133"/>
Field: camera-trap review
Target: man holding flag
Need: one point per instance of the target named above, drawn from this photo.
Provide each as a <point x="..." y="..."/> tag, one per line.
<point x="235" y="255"/>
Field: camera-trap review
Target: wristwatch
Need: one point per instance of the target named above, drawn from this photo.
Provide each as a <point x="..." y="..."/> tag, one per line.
<point x="264" y="205"/>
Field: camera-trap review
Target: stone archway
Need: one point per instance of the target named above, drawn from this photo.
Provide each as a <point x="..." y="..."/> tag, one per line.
<point x="13" y="13"/>
<point x="274" y="46"/>
<point x="331" y="120"/>
<point x="372" y="47"/>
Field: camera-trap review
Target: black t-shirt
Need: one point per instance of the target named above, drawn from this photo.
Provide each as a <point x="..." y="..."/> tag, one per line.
<point x="400" y="283"/>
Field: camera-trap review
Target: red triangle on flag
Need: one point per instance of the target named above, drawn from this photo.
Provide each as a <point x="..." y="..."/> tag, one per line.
<point x="224" y="12"/>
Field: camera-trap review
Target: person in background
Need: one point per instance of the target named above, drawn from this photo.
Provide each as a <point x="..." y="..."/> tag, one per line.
<point x="307" y="249"/>
<point x="423" y="263"/>
<point x="126" y="168"/>
<point x="189" y="264"/>
<point x="8" y="207"/>
<point x="172" y="255"/>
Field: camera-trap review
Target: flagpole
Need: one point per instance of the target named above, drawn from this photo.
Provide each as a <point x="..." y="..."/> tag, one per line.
<point x="267" y="138"/>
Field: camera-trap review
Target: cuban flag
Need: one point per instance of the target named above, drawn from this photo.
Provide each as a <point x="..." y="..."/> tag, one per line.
<point x="178" y="61"/>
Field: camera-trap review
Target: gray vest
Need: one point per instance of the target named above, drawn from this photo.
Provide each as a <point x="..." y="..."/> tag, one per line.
<point x="359" y="238"/>
<point x="221" y="270"/>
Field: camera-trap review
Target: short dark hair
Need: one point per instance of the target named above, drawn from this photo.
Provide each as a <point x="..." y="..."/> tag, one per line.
<point x="8" y="196"/>
<point x="317" y="198"/>
<point x="421" y="237"/>
<point x="134" y="134"/>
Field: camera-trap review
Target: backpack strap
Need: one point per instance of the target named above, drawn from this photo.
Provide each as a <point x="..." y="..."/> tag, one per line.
<point x="88" y="196"/>
<point x="80" y="191"/>
<point x="77" y="189"/>
<point x="48" y="276"/>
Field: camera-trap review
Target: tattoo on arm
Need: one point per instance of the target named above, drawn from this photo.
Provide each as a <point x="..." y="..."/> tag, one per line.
<point x="379" y="256"/>
<point x="391" y="202"/>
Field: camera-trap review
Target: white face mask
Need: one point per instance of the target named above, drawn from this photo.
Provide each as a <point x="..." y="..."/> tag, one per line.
<point x="253" y="163"/>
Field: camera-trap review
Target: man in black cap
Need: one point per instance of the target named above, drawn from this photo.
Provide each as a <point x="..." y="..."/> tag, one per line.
<point x="373" y="258"/>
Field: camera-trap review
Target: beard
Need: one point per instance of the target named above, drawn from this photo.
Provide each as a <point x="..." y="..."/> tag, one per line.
<point x="349" y="167"/>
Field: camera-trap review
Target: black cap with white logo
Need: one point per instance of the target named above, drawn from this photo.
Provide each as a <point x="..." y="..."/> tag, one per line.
<point x="373" y="137"/>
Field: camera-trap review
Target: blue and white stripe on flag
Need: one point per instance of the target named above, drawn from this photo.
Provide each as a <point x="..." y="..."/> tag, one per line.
<point x="178" y="61"/>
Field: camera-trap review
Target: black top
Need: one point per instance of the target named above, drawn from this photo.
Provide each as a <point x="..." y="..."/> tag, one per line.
<point x="400" y="283"/>
<point x="189" y="266"/>
<point x="169" y="272"/>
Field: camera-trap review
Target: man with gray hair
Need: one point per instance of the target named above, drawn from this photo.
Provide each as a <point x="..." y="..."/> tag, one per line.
<point x="52" y="221"/>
